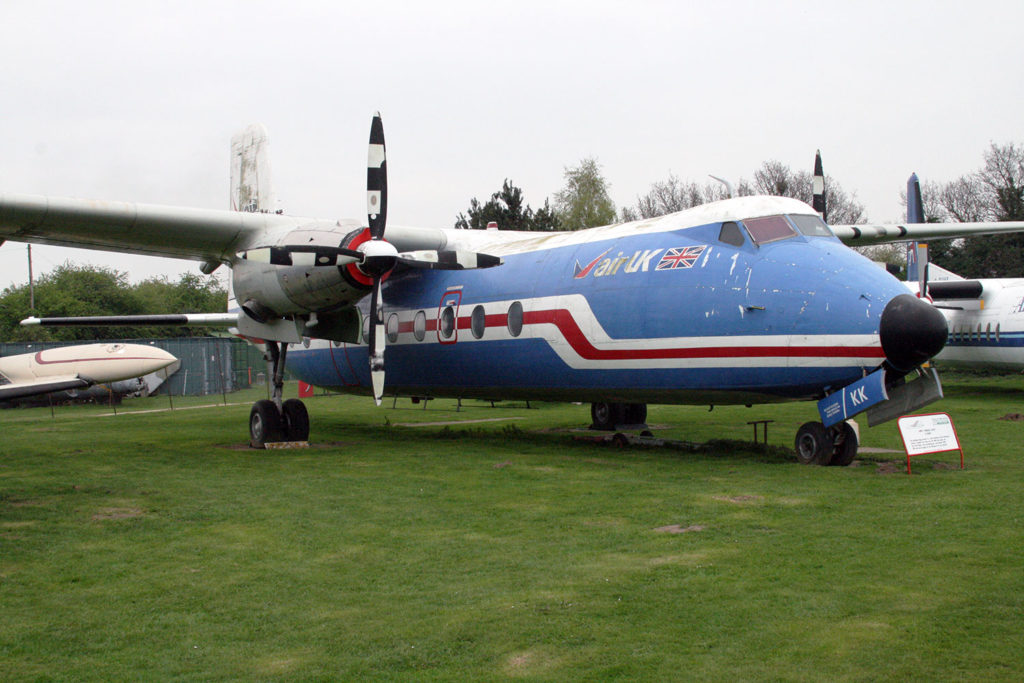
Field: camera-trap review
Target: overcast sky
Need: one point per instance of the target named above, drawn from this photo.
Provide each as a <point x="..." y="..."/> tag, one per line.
<point x="138" y="100"/>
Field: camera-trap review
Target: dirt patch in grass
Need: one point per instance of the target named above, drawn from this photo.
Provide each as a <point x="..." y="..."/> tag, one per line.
<point x="890" y="467"/>
<point x="25" y="503"/>
<point x="244" y="446"/>
<point x="529" y="663"/>
<point x="679" y="529"/>
<point x="739" y="500"/>
<point x="1012" y="417"/>
<point x="106" y="514"/>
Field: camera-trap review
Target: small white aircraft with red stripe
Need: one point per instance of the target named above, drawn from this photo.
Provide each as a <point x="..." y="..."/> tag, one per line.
<point x="77" y="367"/>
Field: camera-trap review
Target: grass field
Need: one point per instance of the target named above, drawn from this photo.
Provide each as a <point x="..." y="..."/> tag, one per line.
<point x="156" y="546"/>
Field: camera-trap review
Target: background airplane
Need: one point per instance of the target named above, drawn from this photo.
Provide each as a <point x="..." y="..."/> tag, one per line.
<point x="985" y="316"/>
<point x="77" y="367"/>
<point x="743" y="301"/>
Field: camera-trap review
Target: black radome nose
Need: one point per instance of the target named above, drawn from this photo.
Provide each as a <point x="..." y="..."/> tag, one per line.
<point x="911" y="331"/>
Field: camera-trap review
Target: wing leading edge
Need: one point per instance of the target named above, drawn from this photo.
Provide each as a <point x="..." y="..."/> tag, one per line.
<point x="879" y="233"/>
<point x="180" y="232"/>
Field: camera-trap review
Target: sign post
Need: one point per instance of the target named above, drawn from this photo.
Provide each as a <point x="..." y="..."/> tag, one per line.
<point x="931" y="433"/>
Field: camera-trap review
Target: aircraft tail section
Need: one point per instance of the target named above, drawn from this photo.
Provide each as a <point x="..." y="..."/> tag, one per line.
<point x="251" y="187"/>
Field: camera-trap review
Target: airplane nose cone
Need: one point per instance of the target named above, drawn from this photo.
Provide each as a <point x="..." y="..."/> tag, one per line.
<point x="911" y="331"/>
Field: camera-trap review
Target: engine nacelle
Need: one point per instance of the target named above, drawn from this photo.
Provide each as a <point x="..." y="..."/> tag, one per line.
<point x="268" y="283"/>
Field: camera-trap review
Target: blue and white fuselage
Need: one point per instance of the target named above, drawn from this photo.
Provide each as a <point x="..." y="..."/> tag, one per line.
<point x="743" y="301"/>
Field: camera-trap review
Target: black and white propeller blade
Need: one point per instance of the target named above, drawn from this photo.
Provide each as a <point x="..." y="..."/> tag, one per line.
<point x="919" y="257"/>
<point x="379" y="257"/>
<point x="448" y="260"/>
<point x="818" y="200"/>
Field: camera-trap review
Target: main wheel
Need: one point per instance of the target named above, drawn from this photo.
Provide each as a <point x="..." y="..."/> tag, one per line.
<point x="296" y="420"/>
<point x="813" y="444"/>
<point x="605" y="416"/>
<point x="264" y="424"/>
<point x="844" y="445"/>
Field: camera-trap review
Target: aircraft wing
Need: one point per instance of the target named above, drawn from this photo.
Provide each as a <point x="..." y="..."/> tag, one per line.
<point x="198" y="234"/>
<point x="9" y="392"/>
<point x="879" y="233"/>
<point x="208" y="235"/>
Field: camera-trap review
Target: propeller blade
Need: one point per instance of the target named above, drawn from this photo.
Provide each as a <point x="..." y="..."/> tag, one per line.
<point x="448" y="260"/>
<point x="377" y="180"/>
<point x="304" y="255"/>
<point x="377" y="337"/>
<point x="917" y="263"/>
<point x="818" y="201"/>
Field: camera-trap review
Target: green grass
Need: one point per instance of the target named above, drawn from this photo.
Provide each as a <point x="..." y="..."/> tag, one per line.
<point x="155" y="546"/>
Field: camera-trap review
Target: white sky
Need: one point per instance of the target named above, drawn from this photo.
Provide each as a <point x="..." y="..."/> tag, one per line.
<point x="138" y="100"/>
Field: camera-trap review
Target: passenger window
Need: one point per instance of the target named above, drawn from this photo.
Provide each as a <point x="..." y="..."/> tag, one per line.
<point x="515" y="319"/>
<point x="997" y="333"/>
<point x="769" y="229"/>
<point x="478" y="322"/>
<point x="731" y="234"/>
<point x="392" y="328"/>
<point x="419" y="326"/>
<point x="447" y="322"/>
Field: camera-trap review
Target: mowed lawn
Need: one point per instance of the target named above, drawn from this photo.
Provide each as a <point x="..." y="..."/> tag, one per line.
<point x="156" y="546"/>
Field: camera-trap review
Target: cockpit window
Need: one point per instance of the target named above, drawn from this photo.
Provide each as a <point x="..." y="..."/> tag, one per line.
<point x="812" y="226"/>
<point x="731" y="234"/>
<point x="769" y="229"/>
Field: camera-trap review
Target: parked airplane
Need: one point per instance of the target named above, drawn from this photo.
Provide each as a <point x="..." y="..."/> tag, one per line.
<point x="985" y="317"/>
<point x="742" y="301"/>
<point x="77" y="367"/>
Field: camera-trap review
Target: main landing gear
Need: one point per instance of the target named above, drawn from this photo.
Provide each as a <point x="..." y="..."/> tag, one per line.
<point x="820" y="445"/>
<point x="274" y="420"/>
<point x="611" y="416"/>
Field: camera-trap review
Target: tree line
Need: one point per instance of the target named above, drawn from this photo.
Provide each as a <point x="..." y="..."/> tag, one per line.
<point x="77" y="290"/>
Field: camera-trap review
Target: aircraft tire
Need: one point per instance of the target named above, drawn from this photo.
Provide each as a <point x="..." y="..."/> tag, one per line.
<point x="844" y="448"/>
<point x="296" y="420"/>
<point x="813" y="444"/>
<point x="264" y="424"/>
<point x="606" y="416"/>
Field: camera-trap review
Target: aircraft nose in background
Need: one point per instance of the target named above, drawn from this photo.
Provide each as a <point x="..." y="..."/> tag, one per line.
<point x="911" y="331"/>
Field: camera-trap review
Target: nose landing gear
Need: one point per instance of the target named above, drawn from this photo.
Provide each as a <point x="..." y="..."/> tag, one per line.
<point x="818" y="445"/>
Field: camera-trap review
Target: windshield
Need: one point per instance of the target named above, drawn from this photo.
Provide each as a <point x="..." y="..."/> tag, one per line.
<point x="812" y="226"/>
<point x="769" y="229"/>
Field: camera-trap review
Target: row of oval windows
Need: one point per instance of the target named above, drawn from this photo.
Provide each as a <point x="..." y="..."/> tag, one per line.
<point x="447" y="322"/>
<point x="967" y="333"/>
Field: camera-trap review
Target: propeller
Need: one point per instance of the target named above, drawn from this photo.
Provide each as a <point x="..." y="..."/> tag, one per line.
<point x="379" y="257"/>
<point x="818" y="201"/>
<point x="375" y="257"/>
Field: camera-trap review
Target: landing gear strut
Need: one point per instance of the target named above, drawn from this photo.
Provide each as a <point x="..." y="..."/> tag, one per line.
<point x="818" y="445"/>
<point x="276" y="420"/>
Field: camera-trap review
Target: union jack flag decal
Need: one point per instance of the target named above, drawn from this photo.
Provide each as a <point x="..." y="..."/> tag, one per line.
<point x="682" y="257"/>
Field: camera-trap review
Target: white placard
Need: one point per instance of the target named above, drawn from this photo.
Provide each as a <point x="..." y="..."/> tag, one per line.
<point x="928" y="434"/>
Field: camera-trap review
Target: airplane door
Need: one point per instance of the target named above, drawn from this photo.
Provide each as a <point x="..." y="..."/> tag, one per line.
<point x="448" y="316"/>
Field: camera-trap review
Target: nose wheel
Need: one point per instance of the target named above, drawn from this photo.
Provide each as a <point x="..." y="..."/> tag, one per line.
<point x="819" y="445"/>
<point x="276" y="420"/>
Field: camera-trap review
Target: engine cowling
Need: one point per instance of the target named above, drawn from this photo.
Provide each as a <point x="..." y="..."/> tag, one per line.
<point x="271" y="282"/>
